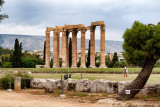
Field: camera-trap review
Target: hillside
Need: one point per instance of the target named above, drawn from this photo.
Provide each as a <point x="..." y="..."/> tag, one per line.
<point x="33" y="42"/>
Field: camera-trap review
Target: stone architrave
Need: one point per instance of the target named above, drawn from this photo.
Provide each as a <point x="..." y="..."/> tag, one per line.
<point x="47" y="58"/>
<point x="102" y="61"/>
<point x="64" y="49"/>
<point x="56" y="49"/>
<point x="83" y="49"/>
<point x="92" y="47"/>
<point x="74" y="48"/>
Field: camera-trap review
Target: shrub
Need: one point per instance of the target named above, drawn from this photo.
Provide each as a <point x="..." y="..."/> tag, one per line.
<point x="5" y="80"/>
<point x="25" y="79"/>
<point x="7" y="65"/>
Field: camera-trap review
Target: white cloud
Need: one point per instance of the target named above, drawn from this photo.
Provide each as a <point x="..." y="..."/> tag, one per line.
<point x="12" y="28"/>
<point x="32" y="16"/>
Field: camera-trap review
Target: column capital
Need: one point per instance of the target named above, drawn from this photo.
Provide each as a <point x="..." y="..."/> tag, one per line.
<point x="64" y="30"/>
<point x="102" y="27"/>
<point x="92" y="28"/>
<point x="57" y="31"/>
<point x="74" y="31"/>
<point x="47" y="32"/>
<point x="83" y="29"/>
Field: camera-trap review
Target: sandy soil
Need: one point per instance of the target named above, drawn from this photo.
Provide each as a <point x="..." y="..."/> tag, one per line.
<point x="25" y="99"/>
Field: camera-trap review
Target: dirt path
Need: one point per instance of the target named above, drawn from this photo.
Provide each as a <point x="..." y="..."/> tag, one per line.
<point x="24" y="99"/>
<point x="18" y="99"/>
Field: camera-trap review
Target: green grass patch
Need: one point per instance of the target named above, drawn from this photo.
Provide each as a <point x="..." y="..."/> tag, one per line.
<point x="73" y="69"/>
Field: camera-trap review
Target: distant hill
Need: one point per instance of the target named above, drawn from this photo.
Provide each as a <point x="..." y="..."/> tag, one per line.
<point x="33" y="42"/>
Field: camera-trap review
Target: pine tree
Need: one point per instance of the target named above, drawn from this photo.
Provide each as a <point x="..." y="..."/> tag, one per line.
<point x="17" y="54"/>
<point x="88" y="58"/>
<point x="70" y="52"/>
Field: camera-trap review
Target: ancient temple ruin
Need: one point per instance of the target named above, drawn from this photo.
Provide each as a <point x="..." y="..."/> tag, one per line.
<point x="66" y="29"/>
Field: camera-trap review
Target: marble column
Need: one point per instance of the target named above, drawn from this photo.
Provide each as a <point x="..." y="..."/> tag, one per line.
<point x="74" y="49"/>
<point x="92" y="47"/>
<point x="67" y="48"/>
<point x="83" y="49"/>
<point x="47" y="58"/>
<point x="56" y="49"/>
<point x="102" y="60"/>
<point x="64" y="50"/>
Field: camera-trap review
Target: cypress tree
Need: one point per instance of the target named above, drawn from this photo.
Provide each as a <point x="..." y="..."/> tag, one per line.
<point x="88" y="58"/>
<point x="44" y="51"/>
<point x="70" y="52"/>
<point x="16" y="59"/>
<point x="115" y="58"/>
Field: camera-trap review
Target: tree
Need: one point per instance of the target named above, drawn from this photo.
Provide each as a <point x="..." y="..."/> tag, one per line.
<point x="88" y="58"/>
<point x="115" y="59"/>
<point x="20" y="48"/>
<point x="30" y="60"/>
<point x="44" y="52"/>
<point x="70" y="52"/>
<point x="141" y="47"/>
<point x="16" y="58"/>
<point x="2" y="16"/>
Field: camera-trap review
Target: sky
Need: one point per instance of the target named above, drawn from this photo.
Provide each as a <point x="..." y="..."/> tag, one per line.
<point x="31" y="17"/>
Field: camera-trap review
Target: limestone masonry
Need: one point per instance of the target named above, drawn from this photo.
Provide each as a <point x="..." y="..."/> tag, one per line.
<point x="66" y="29"/>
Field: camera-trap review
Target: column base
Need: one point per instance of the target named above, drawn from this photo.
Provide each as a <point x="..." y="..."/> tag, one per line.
<point x="73" y="66"/>
<point x="46" y="66"/>
<point x="92" y="66"/>
<point x="55" y="67"/>
<point x="103" y="66"/>
<point x="64" y="67"/>
<point x="83" y="66"/>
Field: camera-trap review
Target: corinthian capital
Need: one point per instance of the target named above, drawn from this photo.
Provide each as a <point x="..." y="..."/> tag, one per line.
<point x="102" y="27"/>
<point x="92" y="28"/>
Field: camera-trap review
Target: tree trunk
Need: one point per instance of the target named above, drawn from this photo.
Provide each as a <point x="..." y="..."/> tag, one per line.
<point x="136" y="85"/>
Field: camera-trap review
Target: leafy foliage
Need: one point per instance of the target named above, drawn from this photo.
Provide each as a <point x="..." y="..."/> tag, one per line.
<point x="141" y="42"/>
<point x="44" y="52"/>
<point x="115" y="58"/>
<point x="25" y="79"/>
<point x="30" y="61"/>
<point x="5" y="80"/>
<point x="5" y="51"/>
<point x="2" y="16"/>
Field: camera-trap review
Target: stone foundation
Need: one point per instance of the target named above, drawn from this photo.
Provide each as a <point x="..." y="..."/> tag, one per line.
<point x="85" y="85"/>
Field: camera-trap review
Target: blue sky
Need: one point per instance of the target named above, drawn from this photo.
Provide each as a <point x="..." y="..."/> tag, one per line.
<point x="31" y="17"/>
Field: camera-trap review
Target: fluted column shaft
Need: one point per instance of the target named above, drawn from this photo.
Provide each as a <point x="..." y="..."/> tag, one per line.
<point x="64" y="49"/>
<point x="102" y="61"/>
<point x="74" y="48"/>
<point x="56" y="49"/>
<point x="83" y="49"/>
<point x="47" y="56"/>
<point x="92" y="46"/>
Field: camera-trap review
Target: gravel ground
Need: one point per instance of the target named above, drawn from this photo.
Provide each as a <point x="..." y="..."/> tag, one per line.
<point x="27" y="99"/>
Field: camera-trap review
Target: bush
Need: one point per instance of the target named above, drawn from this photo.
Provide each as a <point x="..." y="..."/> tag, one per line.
<point x="120" y="64"/>
<point x="5" y="80"/>
<point x="25" y="79"/>
<point x="97" y="64"/>
<point x="7" y="65"/>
